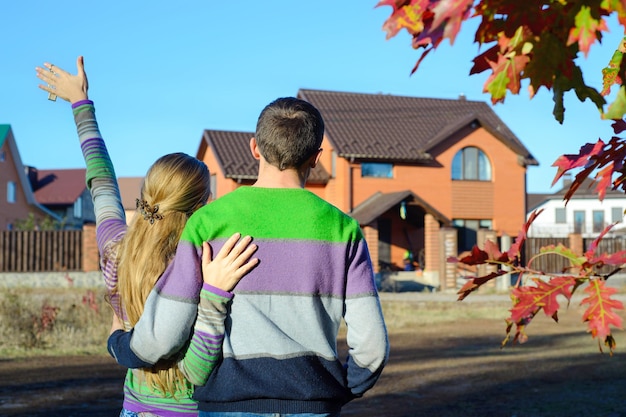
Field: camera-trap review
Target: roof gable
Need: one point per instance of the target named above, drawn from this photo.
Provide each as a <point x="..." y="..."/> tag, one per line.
<point x="379" y="203"/>
<point x="401" y="128"/>
<point x="6" y="136"/>
<point x="232" y="151"/>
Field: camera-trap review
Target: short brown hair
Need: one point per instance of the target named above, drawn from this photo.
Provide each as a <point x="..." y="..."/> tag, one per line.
<point x="289" y="131"/>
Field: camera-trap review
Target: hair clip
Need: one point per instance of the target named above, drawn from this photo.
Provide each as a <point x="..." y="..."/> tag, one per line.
<point x="148" y="212"/>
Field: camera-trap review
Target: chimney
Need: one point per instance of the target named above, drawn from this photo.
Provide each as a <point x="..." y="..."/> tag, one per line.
<point x="31" y="174"/>
<point x="567" y="181"/>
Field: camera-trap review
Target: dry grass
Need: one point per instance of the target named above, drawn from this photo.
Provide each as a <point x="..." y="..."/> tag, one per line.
<point x="53" y="321"/>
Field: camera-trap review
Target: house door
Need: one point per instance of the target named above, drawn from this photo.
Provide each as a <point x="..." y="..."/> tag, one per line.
<point x="384" y="243"/>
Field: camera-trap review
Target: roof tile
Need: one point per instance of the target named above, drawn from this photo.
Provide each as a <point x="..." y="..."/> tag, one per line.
<point x="401" y="128"/>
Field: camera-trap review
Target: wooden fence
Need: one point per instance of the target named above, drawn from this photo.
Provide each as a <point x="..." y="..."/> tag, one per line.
<point x="556" y="264"/>
<point x="41" y="251"/>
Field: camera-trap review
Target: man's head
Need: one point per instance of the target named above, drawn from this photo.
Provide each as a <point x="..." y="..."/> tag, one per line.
<point x="289" y="132"/>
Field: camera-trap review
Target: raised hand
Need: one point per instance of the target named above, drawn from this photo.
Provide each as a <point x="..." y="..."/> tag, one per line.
<point x="231" y="263"/>
<point x="61" y="83"/>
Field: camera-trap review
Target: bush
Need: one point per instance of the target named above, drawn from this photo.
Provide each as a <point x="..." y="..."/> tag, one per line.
<point x="53" y="321"/>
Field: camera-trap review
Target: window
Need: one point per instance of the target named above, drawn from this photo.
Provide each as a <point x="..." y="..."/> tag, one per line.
<point x="579" y="221"/>
<point x="11" y="192"/>
<point x="617" y="214"/>
<point x="2" y="156"/>
<point x="559" y="216"/>
<point x="376" y="170"/>
<point x="333" y="164"/>
<point x="598" y="221"/>
<point x="471" y="164"/>
<point x="467" y="229"/>
<point x="78" y="208"/>
<point x="213" y="186"/>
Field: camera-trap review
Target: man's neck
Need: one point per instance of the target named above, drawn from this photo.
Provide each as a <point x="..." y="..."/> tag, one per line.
<point x="271" y="177"/>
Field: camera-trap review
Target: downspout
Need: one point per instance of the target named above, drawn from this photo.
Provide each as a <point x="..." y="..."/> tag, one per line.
<point x="350" y="184"/>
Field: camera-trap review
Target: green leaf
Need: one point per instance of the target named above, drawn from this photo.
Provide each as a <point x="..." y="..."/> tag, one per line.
<point x="617" y="109"/>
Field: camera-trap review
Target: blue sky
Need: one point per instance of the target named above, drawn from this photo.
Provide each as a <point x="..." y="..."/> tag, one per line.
<point x="161" y="72"/>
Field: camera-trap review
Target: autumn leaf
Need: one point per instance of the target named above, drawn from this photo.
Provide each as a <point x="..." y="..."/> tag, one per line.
<point x="619" y="126"/>
<point x="407" y="16"/>
<point x="593" y="259"/>
<point x="594" y="245"/>
<point x="514" y="250"/>
<point x="585" y="30"/>
<point x="617" y="109"/>
<point x="474" y="283"/>
<point x="529" y="300"/>
<point x="453" y="13"/>
<point x="561" y="250"/>
<point x="497" y="82"/>
<point x="610" y="74"/>
<point x="477" y="256"/>
<point x="600" y="314"/>
<point x="543" y="295"/>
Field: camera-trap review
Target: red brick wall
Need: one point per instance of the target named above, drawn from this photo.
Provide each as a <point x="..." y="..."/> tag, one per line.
<point x="90" y="249"/>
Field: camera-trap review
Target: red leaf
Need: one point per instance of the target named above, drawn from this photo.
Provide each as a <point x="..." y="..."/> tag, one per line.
<point x="600" y="314"/>
<point x="474" y="283"/>
<point x="451" y="13"/>
<point x="530" y="299"/>
<point x="514" y="250"/>
<point x="476" y="257"/>
<point x="567" y="162"/>
<point x="619" y="126"/>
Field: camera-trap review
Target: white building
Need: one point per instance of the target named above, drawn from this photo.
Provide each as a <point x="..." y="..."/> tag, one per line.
<point x="584" y="213"/>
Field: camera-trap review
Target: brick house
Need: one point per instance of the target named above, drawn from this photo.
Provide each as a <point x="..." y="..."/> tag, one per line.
<point x="65" y="193"/>
<point x="130" y="190"/>
<point x="17" y="200"/>
<point x="407" y="168"/>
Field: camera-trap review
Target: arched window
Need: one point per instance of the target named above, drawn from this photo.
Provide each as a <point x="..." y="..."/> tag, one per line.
<point x="471" y="164"/>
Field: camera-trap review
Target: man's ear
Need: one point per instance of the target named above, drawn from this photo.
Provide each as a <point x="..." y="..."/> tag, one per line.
<point x="254" y="149"/>
<point x="316" y="158"/>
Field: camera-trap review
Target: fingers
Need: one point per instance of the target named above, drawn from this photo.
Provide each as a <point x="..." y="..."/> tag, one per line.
<point x="243" y="257"/>
<point x="206" y="253"/>
<point x="45" y="75"/>
<point x="53" y="69"/>
<point x="228" y="246"/>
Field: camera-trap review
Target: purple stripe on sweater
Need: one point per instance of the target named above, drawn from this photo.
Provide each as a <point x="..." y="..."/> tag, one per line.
<point x="182" y="279"/>
<point x="308" y="267"/>
<point x="108" y="230"/>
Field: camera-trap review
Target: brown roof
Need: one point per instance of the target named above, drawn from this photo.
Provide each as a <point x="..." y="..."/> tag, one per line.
<point x="400" y="128"/>
<point x="379" y="203"/>
<point x="130" y="190"/>
<point x="57" y="186"/>
<point x="232" y="150"/>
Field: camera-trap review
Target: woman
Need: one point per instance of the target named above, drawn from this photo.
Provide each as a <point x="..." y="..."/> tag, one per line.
<point x="134" y="257"/>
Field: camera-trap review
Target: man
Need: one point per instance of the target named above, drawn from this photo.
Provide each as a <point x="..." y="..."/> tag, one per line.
<point x="279" y="351"/>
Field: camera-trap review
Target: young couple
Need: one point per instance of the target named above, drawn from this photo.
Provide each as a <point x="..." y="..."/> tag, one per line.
<point x="196" y="339"/>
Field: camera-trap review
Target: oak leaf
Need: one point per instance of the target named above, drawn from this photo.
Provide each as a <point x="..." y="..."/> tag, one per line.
<point x="600" y="314"/>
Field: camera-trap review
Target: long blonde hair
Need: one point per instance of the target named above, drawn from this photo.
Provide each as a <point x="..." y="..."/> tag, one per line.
<point x="174" y="187"/>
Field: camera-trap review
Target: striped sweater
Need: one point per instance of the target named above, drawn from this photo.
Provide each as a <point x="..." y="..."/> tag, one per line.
<point x="280" y="351"/>
<point x="205" y="346"/>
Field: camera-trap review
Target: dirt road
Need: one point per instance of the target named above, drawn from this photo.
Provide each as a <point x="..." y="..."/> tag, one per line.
<point x="445" y="369"/>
